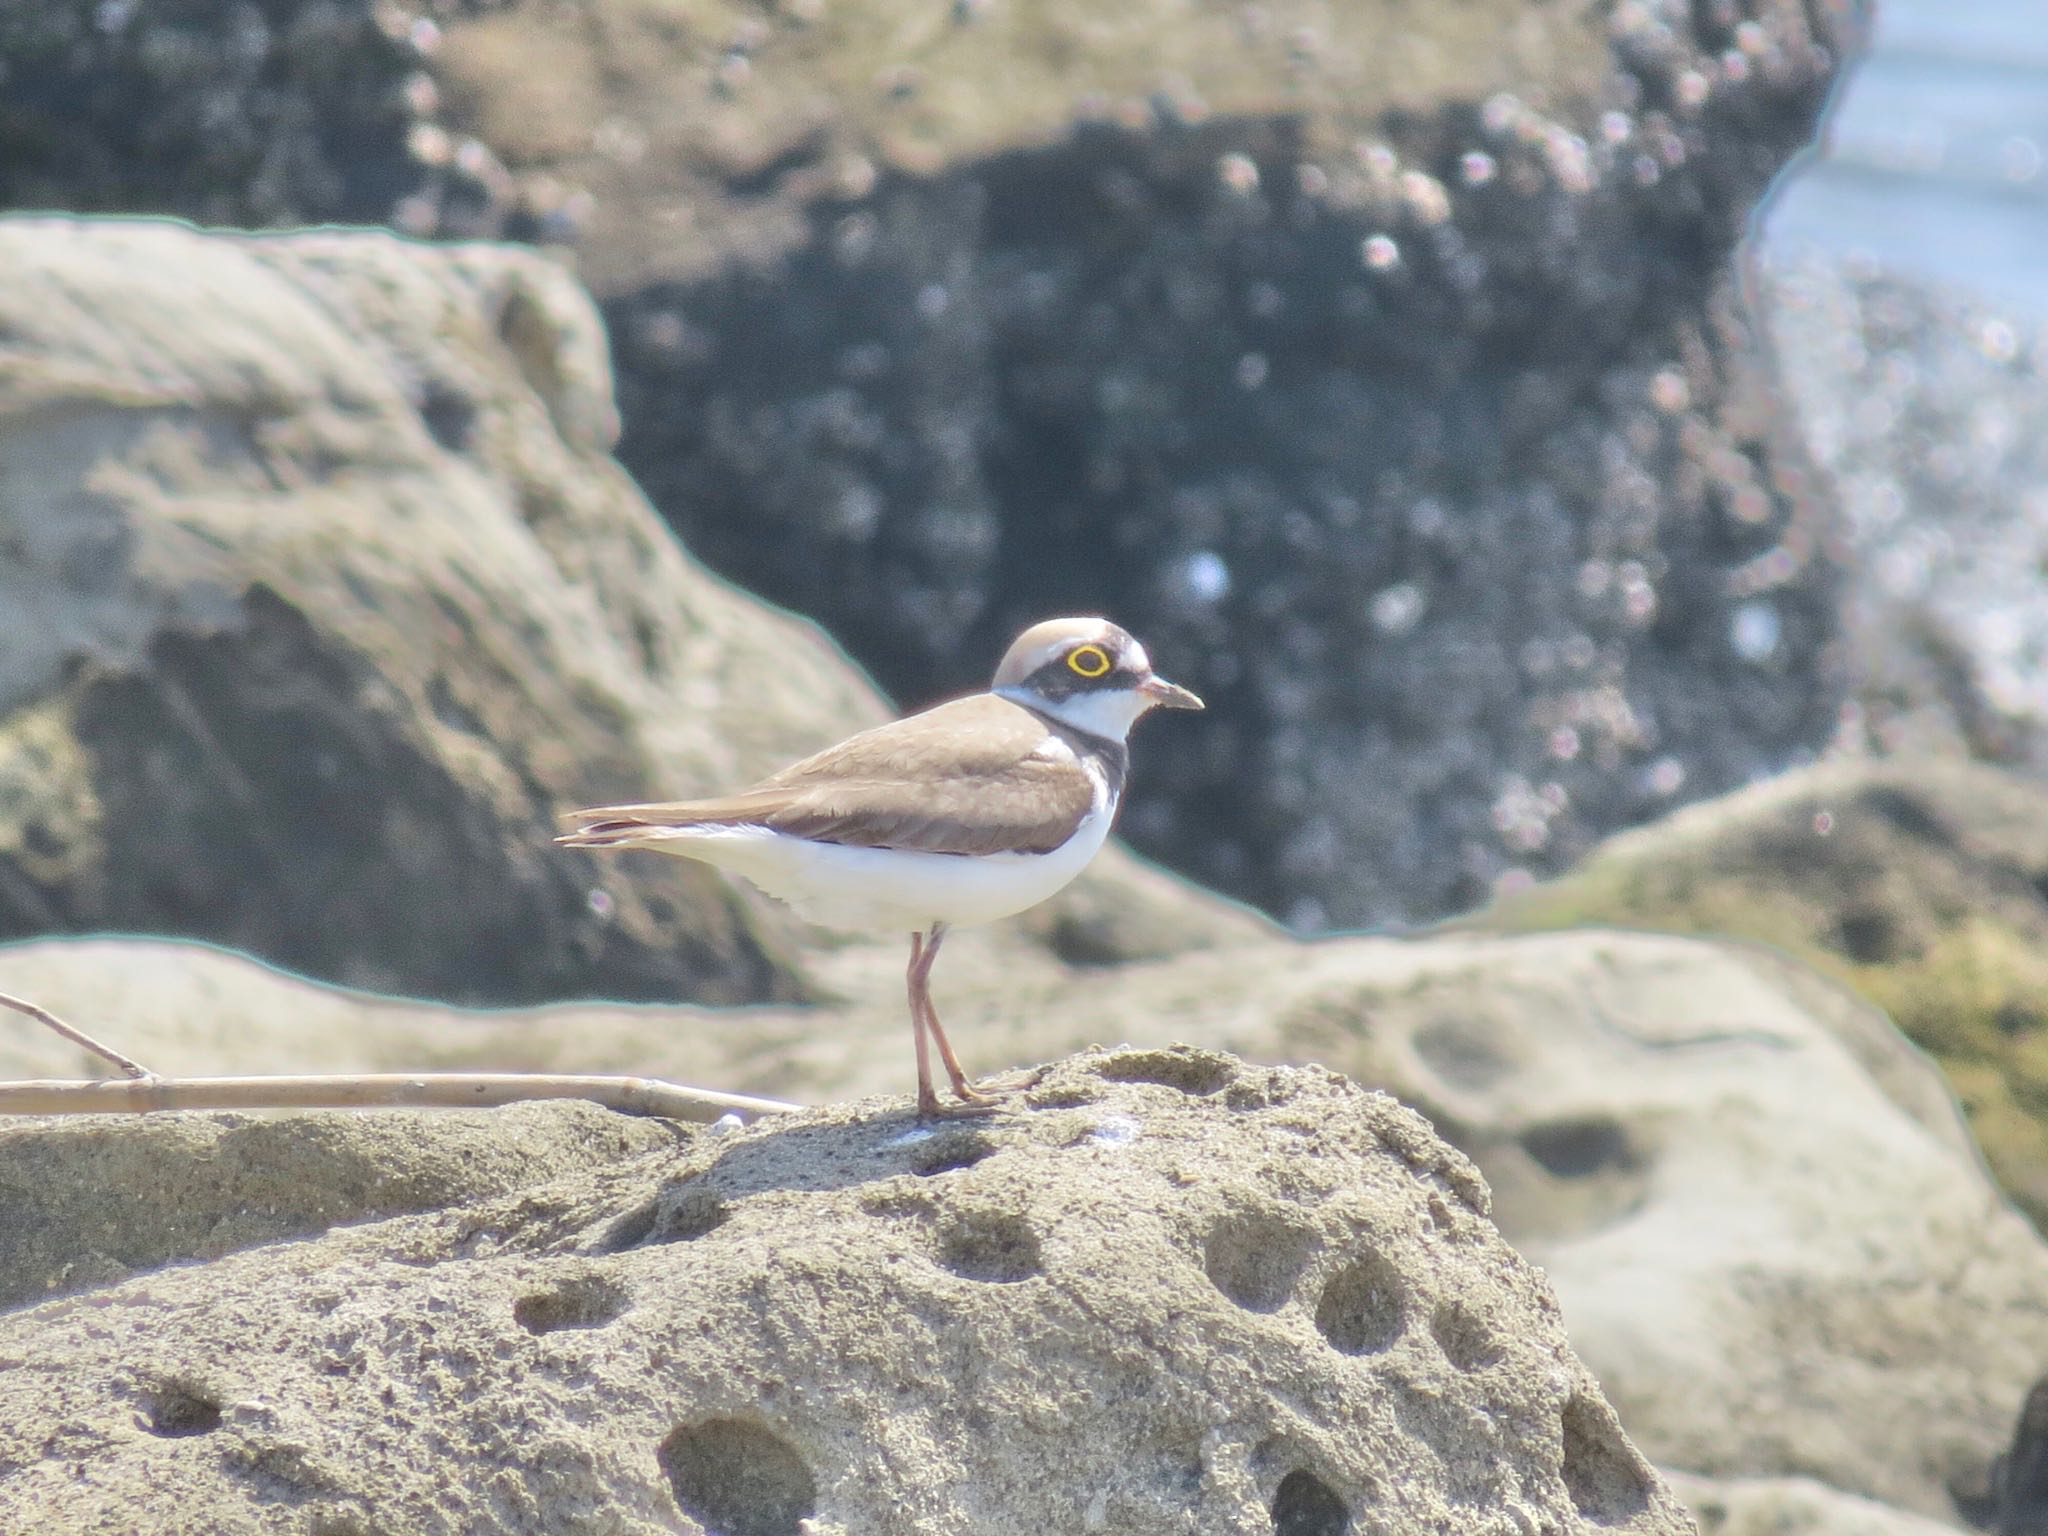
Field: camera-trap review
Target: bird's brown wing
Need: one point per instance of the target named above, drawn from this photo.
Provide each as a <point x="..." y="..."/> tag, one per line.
<point x="966" y="777"/>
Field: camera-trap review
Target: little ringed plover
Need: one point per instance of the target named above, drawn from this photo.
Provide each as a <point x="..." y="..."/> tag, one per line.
<point x="968" y="812"/>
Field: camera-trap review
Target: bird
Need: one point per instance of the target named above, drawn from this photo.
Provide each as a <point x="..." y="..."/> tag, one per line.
<point x="970" y="811"/>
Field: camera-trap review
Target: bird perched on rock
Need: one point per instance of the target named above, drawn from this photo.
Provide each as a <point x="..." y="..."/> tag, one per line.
<point x="968" y="812"/>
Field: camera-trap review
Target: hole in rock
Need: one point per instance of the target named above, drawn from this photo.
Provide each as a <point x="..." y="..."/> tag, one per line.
<point x="176" y="1409"/>
<point x="675" y="1216"/>
<point x="1255" y="1258"/>
<point x="1305" y="1505"/>
<point x="950" y="1150"/>
<point x="1607" y="1480"/>
<point x="1465" y="1340"/>
<point x="583" y="1301"/>
<point x="688" y="1214"/>
<point x="630" y="1230"/>
<point x="1870" y="934"/>
<point x="1254" y="1093"/>
<point x="449" y="416"/>
<point x="737" y="1479"/>
<point x="1463" y="1052"/>
<point x="991" y="1246"/>
<point x="1581" y="1148"/>
<point x="1910" y="816"/>
<point x="1191" y="1071"/>
<point x="1360" y="1311"/>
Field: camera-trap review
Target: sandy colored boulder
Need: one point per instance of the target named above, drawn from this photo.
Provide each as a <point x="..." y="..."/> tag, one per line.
<point x="320" y="596"/>
<point x="1794" y="1506"/>
<point x="1161" y="1292"/>
<point x="93" y="1200"/>
<point x="1757" y="1202"/>
<point x="1921" y="882"/>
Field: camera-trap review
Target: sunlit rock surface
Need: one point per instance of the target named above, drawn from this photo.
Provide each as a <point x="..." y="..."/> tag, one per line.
<point x="1164" y="1292"/>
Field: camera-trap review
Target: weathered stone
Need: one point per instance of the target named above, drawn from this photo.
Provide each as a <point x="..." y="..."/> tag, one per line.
<point x="1922" y="884"/>
<point x="1120" y="1305"/>
<point x="320" y="597"/>
<point x="1757" y="1201"/>
<point x="93" y="1200"/>
<point x="1793" y="1506"/>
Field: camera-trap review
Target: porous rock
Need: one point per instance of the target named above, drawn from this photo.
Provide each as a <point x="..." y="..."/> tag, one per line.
<point x="1757" y="1202"/>
<point x="1159" y="1292"/>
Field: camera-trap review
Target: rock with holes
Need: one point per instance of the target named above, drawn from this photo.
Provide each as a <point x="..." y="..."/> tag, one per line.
<point x="1756" y="1201"/>
<point x="1158" y="1292"/>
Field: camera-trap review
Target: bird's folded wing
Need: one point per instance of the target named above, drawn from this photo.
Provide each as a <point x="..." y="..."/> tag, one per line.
<point x="969" y="777"/>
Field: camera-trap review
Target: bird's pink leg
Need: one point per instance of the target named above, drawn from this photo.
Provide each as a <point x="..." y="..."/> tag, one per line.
<point x="920" y="1002"/>
<point x="971" y="1102"/>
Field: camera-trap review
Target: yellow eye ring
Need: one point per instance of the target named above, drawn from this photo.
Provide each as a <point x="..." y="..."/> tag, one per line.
<point x="1090" y="661"/>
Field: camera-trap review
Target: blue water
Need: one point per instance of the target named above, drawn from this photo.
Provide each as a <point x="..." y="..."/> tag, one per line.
<point x="1933" y="160"/>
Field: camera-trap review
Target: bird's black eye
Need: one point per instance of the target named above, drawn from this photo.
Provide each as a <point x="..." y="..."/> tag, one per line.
<point x="1089" y="661"/>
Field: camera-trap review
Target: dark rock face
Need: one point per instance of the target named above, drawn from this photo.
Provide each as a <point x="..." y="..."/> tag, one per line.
<point x="235" y="113"/>
<point x="1436" y="459"/>
<point x="2015" y="1500"/>
<point x="1386" y="373"/>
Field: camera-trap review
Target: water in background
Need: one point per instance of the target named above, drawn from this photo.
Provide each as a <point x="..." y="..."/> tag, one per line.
<point x="1934" y="159"/>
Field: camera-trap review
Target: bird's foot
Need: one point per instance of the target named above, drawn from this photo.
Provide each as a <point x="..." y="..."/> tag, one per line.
<point x="970" y="1103"/>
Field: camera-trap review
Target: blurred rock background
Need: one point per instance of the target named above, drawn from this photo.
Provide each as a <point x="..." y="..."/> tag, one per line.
<point x="1381" y="365"/>
<point x="1408" y="376"/>
<point x="1403" y="378"/>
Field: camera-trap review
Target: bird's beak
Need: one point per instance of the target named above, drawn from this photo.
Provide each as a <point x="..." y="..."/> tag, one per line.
<point x="1168" y="695"/>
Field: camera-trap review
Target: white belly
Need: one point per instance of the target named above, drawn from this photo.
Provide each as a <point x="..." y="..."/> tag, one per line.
<point x="888" y="889"/>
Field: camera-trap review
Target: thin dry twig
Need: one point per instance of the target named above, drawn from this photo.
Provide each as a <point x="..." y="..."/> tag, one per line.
<point x="74" y="1034"/>
<point x="378" y="1090"/>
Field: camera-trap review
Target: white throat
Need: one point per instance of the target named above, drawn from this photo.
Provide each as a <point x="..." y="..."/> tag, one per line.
<point x="1109" y="713"/>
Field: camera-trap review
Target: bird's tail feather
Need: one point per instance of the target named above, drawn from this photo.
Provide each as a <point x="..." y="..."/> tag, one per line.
<point x="608" y="834"/>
